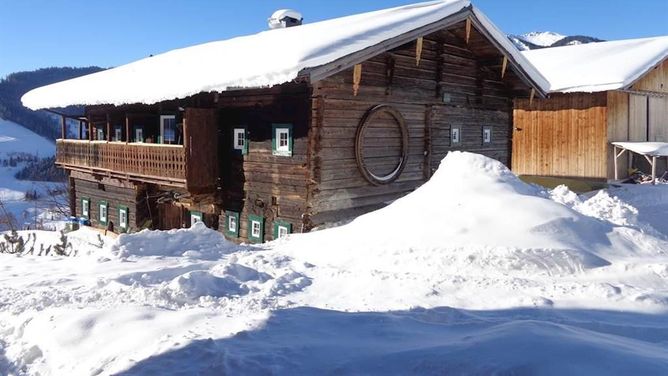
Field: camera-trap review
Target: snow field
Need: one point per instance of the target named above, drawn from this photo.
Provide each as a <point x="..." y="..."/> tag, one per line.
<point x="475" y="272"/>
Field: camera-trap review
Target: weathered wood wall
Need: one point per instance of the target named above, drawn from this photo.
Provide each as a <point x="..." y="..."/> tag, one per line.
<point x="115" y="196"/>
<point x="455" y="84"/>
<point x="260" y="183"/>
<point x="565" y="135"/>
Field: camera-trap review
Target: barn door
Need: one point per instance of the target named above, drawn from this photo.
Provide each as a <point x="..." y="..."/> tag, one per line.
<point x="201" y="134"/>
<point x="658" y="118"/>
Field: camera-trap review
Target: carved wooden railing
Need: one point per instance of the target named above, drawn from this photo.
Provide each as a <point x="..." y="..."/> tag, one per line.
<point x="153" y="163"/>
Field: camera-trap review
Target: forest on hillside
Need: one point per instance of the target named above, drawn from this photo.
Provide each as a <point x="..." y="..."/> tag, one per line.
<point x="16" y="84"/>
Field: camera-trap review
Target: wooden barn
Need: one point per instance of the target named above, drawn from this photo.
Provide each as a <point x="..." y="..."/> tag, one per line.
<point x="599" y="93"/>
<point x="292" y="128"/>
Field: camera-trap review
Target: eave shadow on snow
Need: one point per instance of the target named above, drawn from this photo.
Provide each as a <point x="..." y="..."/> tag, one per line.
<point x="430" y="341"/>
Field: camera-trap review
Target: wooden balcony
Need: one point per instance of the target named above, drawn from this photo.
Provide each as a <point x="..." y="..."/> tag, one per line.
<point x="151" y="163"/>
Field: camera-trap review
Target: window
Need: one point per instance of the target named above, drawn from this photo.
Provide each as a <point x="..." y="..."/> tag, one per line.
<point x="240" y="142"/>
<point x="118" y="133"/>
<point x="195" y="216"/>
<point x="168" y="129"/>
<point x="100" y="134"/>
<point x="139" y="134"/>
<point x="282" y="140"/>
<point x="281" y="229"/>
<point x="103" y="212"/>
<point x="85" y="207"/>
<point x="455" y="135"/>
<point x="232" y="223"/>
<point x="256" y="228"/>
<point x="486" y="135"/>
<point x="123" y="217"/>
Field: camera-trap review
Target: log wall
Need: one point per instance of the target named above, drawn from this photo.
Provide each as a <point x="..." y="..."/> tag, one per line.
<point x="260" y="183"/>
<point x="453" y="85"/>
<point x="115" y="196"/>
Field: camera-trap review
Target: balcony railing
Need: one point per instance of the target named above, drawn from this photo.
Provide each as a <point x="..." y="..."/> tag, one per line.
<point x="153" y="163"/>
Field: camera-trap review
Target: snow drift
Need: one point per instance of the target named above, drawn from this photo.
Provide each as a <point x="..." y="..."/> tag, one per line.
<point x="508" y="278"/>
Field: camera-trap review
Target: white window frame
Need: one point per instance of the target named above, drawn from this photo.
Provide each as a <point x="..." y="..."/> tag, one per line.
<point x="104" y="212"/>
<point x="162" y="127"/>
<point x="232" y="223"/>
<point x="455" y="135"/>
<point x="123" y="218"/>
<point x="85" y="208"/>
<point x="240" y="133"/>
<point x="280" y="132"/>
<point x="100" y="134"/>
<point x="118" y="134"/>
<point x="283" y="231"/>
<point x="256" y="225"/>
<point x="486" y="135"/>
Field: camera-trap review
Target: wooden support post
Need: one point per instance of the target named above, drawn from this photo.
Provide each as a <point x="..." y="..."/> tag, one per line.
<point x="418" y="51"/>
<point x="90" y="130"/>
<point x="653" y="170"/>
<point x="63" y="133"/>
<point x="127" y="129"/>
<point x="357" y="78"/>
<point x="108" y="128"/>
<point x="504" y="65"/>
<point x="468" y="30"/>
<point x="533" y="93"/>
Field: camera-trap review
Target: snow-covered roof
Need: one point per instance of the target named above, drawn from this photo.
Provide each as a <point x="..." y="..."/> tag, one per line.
<point x="602" y="66"/>
<point x="653" y="149"/>
<point x="267" y="58"/>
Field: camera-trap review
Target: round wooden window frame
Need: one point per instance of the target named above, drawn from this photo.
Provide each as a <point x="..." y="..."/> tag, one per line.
<point x="359" y="139"/>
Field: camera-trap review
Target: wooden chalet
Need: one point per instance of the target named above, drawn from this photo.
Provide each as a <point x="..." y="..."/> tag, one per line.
<point x="600" y="93"/>
<point x="383" y="98"/>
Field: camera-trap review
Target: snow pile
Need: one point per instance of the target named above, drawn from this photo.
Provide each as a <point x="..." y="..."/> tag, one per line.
<point x="595" y="67"/>
<point x="290" y="51"/>
<point x="197" y="242"/>
<point x="507" y="278"/>
<point x="17" y="139"/>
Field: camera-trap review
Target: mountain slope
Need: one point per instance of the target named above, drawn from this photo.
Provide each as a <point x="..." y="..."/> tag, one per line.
<point x="15" y="85"/>
<point x="544" y="39"/>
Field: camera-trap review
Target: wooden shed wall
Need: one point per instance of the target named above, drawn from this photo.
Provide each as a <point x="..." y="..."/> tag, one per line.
<point x="565" y="135"/>
<point x="475" y="96"/>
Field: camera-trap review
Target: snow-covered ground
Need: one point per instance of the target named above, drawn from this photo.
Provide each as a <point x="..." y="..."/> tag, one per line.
<point x="17" y="139"/>
<point x="475" y="273"/>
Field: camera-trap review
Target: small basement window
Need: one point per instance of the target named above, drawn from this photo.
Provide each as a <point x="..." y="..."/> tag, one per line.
<point x="282" y="229"/>
<point x="282" y="140"/>
<point x="486" y="135"/>
<point x="255" y="228"/>
<point x="455" y="135"/>
<point x="103" y="217"/>
<point x="240" y="141"/>
<point x="85" y="207"/>
<point x="196" y="216"/>
<point x="123" y="217"/>
<point x="232" y="223"/>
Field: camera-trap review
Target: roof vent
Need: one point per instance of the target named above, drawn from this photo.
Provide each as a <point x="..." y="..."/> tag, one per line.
<point x="285" y="18"/>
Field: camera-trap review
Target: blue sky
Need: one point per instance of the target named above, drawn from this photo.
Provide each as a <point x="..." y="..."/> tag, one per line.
<point x="42" y="33"/>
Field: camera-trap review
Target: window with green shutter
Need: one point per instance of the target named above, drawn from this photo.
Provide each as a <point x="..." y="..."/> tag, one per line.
<point x="282" y="140"/>
<point x="282" y="229"/>
<point x="85" y="207"/>
<point x="240" y="140"/>
<point x="123" y="218"/>
<point x="255" y="228"/>
<point x="103" y="214"/>
<point x="196" y="216"/>
<point x="232" y="224"/>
